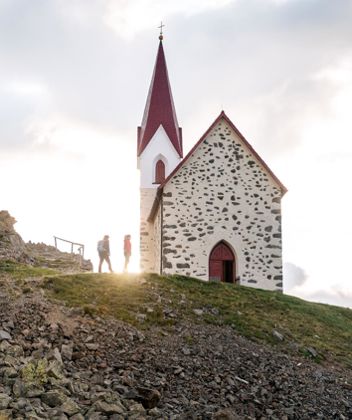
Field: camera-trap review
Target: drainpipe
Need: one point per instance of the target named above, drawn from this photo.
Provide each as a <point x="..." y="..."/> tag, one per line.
<point x="161" y="231"/>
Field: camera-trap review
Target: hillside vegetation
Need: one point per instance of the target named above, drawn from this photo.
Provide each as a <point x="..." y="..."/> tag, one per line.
<point x="109" y="346"/>
<point x="151" y="300"/>
<point x="80" y="345"/>
<point x="321" y="331"/>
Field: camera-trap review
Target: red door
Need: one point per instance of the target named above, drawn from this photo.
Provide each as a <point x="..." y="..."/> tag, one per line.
<point x="222" y="264"/>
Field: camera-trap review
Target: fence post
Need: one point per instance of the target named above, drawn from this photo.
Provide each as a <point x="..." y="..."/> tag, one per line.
<point x="80" y="248"/>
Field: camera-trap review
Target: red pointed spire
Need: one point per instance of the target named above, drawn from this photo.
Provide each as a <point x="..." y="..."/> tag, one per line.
<point x="159" y="108"/>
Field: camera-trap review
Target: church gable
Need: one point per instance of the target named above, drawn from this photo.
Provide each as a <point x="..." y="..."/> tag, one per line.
<point x="223" y="154"/>
<point x="240" y="140"/>
<point x="223" y="192"/>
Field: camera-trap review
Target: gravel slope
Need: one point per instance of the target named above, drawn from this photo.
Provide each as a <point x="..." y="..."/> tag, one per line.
<point x="58" y="363"/>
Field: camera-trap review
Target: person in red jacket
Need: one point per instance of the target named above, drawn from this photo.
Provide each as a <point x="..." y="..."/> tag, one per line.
<point x="127" y="251"/>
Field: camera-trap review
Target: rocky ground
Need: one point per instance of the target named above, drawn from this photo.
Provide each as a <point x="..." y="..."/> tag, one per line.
<point x="59" y="363"/>
<point x="48" y="256"/>
<point x="13" y="248"/>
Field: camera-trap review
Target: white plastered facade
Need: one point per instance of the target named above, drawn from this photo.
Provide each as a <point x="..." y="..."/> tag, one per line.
<point x="158" y="148"/>
<point x="221" y="193"/>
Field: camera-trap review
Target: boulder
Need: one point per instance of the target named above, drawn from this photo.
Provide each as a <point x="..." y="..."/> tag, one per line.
<point x="4" y="335"/>
<point x="4" y="401"/>
<point x="53" y="398"/>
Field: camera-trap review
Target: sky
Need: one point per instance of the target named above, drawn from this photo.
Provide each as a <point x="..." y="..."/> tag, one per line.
<point x="74" y="77"/>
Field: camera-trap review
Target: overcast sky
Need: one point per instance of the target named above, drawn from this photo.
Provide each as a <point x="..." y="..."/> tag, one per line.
<point x="74" y="76"/>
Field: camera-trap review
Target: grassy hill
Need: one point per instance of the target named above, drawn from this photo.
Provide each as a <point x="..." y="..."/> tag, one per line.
<point x="163" y="301"/>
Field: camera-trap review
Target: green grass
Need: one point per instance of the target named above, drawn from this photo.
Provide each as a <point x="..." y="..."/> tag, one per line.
<point x="121" y="296"/>
<point x="253" y="313"/>
<point x="23" y="271"/>
<point x="155" y="301"/>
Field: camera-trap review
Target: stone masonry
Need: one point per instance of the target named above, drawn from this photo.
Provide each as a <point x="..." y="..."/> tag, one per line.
<point x="147" y="242"/>
<point x="222" y="193"/>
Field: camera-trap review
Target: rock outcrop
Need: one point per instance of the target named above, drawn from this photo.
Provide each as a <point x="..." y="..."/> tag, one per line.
<point x="48" y="256"/>
<point x="13" y="248"/>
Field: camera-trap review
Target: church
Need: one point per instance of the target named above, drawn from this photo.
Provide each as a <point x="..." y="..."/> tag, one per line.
<point x="214" y="214"/>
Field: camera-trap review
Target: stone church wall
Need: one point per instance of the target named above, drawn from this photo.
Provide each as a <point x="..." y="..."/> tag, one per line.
<point x="147" y="244"/>
<point x="157" y="241"/>
<point x="223" y="193"/>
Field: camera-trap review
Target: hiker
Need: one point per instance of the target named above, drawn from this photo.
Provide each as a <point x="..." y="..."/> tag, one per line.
<point x="127" y="251"/>
<point x="104" y="252"/>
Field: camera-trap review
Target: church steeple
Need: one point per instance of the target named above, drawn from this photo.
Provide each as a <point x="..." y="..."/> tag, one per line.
<point x="159" y="109"/>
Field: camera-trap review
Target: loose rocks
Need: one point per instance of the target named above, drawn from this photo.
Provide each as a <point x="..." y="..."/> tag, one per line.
<point x="62" y="364"/>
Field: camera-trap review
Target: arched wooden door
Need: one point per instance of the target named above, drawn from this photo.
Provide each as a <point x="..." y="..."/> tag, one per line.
<point x="222" y="264"/>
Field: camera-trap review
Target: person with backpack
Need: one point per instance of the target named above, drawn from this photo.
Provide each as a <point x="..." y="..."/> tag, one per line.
<point x="127" y="251"/>
<point x="104" y="253"/>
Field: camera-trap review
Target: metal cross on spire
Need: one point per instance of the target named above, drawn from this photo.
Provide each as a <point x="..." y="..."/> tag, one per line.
<point x="161" y="37"/>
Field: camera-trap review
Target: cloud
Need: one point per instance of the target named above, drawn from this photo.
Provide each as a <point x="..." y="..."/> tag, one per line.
<point x="53" y="63"/>
<point x="340" y="296"/>
<point x="268" y="53"/>
<point x="297" y="283"/>
<point x="128" y="18"/>
<point x="270" y="56"/>
<point x="294" y="276"/>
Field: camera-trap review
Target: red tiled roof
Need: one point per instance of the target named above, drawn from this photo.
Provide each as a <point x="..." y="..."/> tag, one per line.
<point x="159" y="108"/>
<point x="195" y="147"/>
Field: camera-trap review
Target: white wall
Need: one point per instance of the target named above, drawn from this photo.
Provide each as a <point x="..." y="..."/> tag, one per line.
<point x="159" y="147"/>
<point x="146" y="232"/>
<point x="223" y="193"/>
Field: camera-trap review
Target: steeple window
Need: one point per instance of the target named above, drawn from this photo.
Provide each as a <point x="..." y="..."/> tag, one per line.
<point x="159" y="172"/>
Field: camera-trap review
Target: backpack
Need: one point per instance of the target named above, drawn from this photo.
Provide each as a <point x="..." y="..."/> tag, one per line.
<point x="101" y="246"/>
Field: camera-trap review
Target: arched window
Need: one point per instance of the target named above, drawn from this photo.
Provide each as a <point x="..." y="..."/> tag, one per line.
<point x="159" y="172"/>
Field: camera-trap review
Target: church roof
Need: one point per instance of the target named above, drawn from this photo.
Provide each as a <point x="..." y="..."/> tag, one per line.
<point x="159" y="108"/>
<point x="195" y="147"/>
